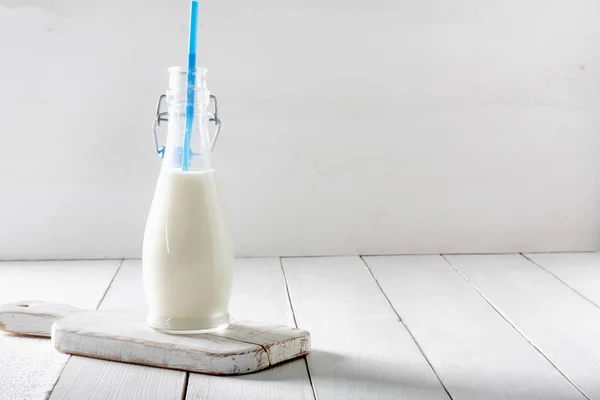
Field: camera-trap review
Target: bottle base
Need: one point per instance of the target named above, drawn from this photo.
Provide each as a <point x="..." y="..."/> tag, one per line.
<point x="185" y="326"/>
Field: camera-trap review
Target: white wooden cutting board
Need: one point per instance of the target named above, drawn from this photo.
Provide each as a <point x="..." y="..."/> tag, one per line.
<point x="241" y="348"/>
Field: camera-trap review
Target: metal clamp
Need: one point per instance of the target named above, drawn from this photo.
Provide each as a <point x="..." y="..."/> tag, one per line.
<point x="213" y="116"/>
<point x="160" y="117"/>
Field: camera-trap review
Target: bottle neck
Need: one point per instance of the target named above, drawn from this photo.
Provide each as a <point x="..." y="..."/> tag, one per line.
<point x="182" y="128"/>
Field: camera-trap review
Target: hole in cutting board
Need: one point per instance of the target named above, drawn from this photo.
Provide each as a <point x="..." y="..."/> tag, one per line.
<point x="23" y="305"/>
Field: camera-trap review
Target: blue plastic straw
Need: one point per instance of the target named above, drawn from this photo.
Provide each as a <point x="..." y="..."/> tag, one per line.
<point x="191" y="86"/>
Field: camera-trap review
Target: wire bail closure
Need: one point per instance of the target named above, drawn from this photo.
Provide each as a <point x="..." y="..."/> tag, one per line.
<point x="162" y="116"/>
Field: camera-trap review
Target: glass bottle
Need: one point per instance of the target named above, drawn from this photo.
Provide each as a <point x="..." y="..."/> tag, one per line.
<point x="187" y="253"/>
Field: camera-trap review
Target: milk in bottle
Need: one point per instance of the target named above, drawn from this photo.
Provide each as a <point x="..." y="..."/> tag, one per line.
<point x="187" y="252"/>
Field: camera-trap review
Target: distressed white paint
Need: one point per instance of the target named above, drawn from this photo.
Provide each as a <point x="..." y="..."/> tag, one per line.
<point x="124" y="336"/>
<point x="33" y="318"/>
<point x="360" y="349"/>
<point x="30" y="366"/>
<point x="476" y="353"/>
<point x="562" y="324"/>
<point x="368" y="127"/>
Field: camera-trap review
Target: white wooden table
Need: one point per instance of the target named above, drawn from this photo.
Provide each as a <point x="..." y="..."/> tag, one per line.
<point x="392" y="327"/>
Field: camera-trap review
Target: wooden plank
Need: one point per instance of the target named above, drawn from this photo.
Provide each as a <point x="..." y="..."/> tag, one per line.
<point x="241" y="348"/>
<point x="124" y="336"/>
<point x="360" y="348"/>
<point x="88" y="378"/>
<point x="29" y="366"/>
<point x="91" y="379"/>
<point x="559" y="322"/>
<point x="34" y="318"/>
<point x="476" y="353"/>
<point x="127" y="290"/>
<point x="580" y="271"/>
<point x="258" y="294"/>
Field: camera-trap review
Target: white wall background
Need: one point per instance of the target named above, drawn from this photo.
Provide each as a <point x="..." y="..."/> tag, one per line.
<point x="349" y="126"/>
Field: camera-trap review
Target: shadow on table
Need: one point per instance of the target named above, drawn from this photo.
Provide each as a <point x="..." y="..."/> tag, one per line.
<point x="334" y="373"/>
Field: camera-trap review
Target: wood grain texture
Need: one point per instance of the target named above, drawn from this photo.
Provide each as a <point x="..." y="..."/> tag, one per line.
<point x="119" y="381"/>
<point x="29" y="367"/>
<point x="81" y="378"/>
<point x="123" y="335"/>
<point x="360" y="349"/>
<point x="580" y="271"/>
<point x="281" y="343"/>
<point x="259" y="294"/>
<point x="562" y="324"/>
<point x="33" y="318"/>
<point x="103" y="336"/>
<point x="476" y="353"/>
<point x="241" y="348"/>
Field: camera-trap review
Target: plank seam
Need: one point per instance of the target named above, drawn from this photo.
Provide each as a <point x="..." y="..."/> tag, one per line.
<point x="185" y="386"/>
<point x="289" y="297"/>
<point x="110" y="283"/>
<point x="505" y="317"/>
<point x="98" y="305"/>
<point x="560" y="280"/>
<point x="406" y="327"/>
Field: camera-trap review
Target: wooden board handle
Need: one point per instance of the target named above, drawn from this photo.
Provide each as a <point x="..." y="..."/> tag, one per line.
<point x="33" y="317"/>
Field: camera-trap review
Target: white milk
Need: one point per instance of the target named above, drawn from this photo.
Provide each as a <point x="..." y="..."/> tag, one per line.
<point x="188" y="253"/>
